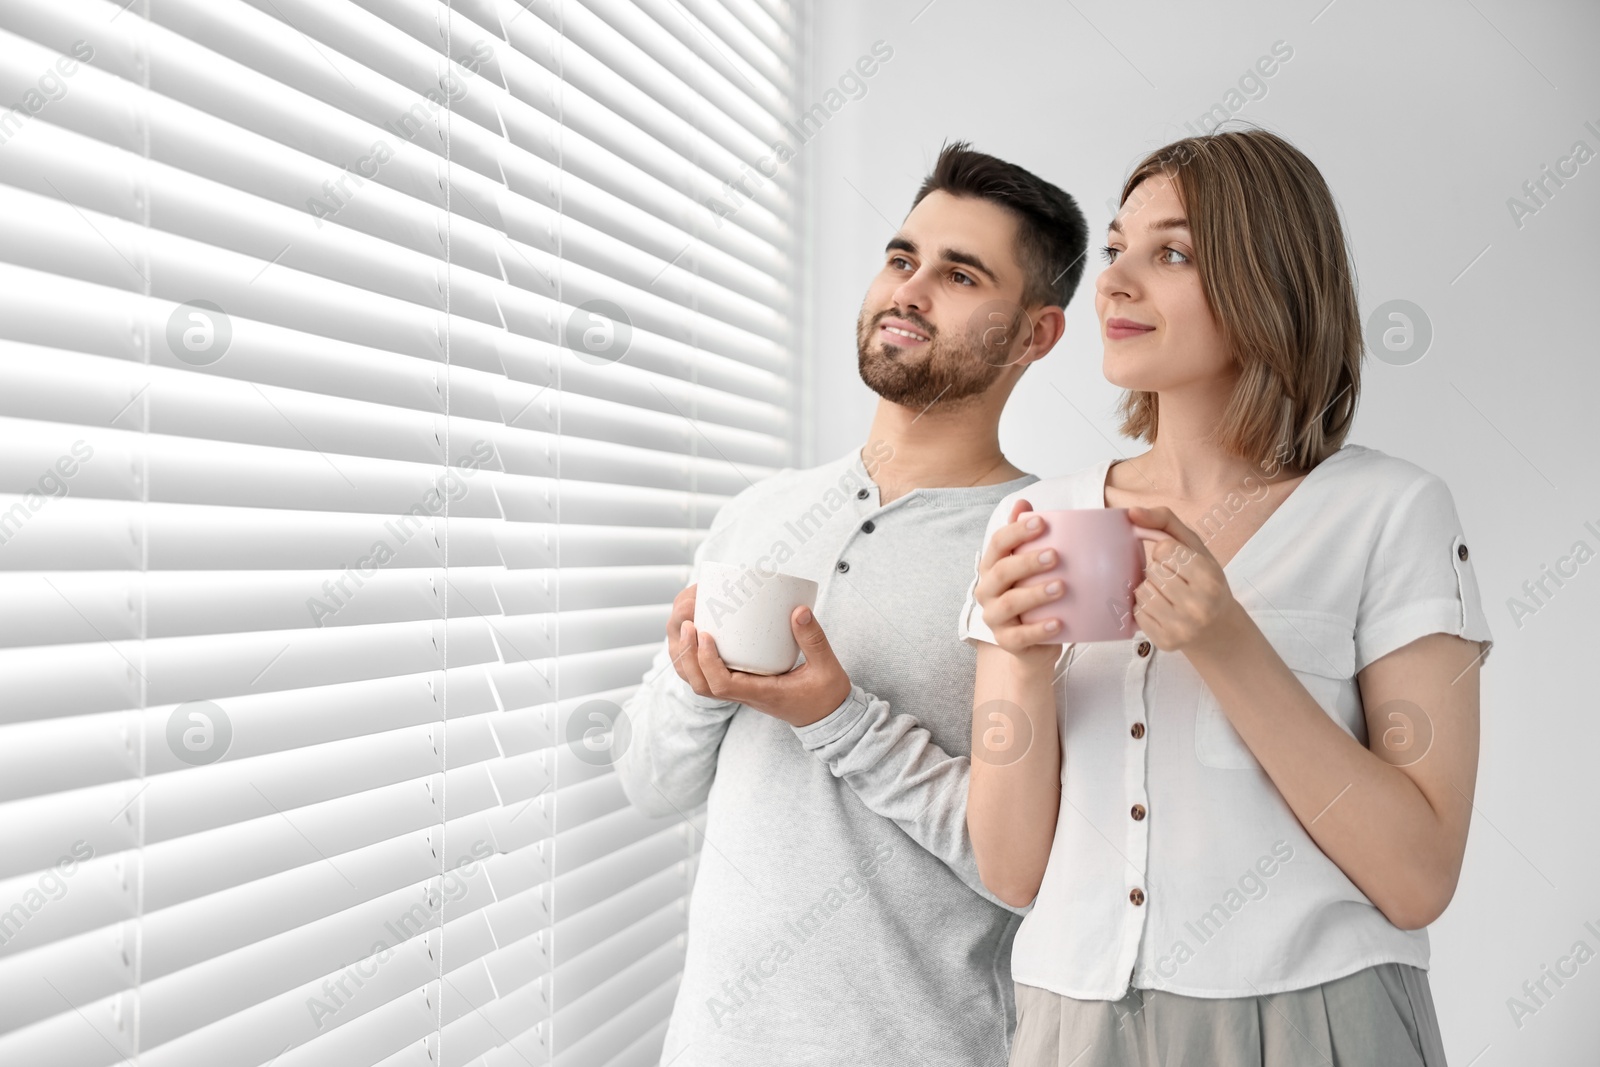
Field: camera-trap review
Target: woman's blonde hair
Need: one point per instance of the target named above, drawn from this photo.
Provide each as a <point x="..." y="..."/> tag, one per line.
<point x="1277" y="275"/>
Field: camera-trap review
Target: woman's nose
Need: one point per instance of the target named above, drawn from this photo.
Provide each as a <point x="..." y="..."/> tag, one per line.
<point x="1115" y="280"/>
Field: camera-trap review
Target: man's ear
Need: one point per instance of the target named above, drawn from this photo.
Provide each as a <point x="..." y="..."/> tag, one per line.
<point x="1049" y="323"/>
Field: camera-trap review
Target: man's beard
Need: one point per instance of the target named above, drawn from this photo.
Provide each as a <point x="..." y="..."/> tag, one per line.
<point x="950" y="371"/>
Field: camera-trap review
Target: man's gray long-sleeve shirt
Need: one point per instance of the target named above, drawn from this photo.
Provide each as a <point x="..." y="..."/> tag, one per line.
<point x="837" y="917"/>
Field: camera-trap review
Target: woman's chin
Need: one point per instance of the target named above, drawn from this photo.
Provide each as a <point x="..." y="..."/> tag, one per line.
<point x="1119" y="374"/>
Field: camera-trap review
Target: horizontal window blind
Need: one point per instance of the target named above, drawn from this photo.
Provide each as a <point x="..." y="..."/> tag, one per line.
<point x="369" y="372"/>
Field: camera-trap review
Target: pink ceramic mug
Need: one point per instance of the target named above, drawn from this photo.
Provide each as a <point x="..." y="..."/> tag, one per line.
<point x="1100" y="560"/>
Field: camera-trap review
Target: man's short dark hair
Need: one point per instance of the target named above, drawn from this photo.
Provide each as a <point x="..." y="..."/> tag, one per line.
<point x="1052" y="235"/>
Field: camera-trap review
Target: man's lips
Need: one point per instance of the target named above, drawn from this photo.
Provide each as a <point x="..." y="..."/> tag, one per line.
<point x="900" y="332"/>
<point x="1118" y="329"/>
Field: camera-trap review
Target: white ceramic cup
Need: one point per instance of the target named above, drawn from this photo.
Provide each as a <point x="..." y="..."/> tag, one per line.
<point x="747" y="612"/>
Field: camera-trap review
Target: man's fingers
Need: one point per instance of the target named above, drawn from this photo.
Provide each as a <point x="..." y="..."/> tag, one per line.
<point x="711" y="665"/>
<point x="682" y="608"/>
<point x="687" y="662"/>
<point x="813" y="642"/>
<point x="730" y="684"/>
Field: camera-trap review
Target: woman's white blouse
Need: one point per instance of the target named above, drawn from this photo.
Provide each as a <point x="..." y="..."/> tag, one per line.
<point x="1176" y="863"/>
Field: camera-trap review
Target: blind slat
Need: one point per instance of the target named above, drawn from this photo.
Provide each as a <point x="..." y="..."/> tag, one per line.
<point x="389" y="544"/>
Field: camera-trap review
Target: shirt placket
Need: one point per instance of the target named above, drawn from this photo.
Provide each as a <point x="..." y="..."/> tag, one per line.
<point x="1136" y="789"/>
<point x="867" y="516"/>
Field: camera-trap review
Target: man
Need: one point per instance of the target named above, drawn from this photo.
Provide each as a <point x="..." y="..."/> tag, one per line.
<point x="827" y="925"/>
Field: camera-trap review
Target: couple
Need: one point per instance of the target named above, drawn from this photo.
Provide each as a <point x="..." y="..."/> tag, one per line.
<point x="1222" y="840"/>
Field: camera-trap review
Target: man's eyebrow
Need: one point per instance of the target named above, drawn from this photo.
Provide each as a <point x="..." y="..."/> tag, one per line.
<point x="898" y="243"/>
<point x="1177" y="222"/>
<point x="955" y="255"/>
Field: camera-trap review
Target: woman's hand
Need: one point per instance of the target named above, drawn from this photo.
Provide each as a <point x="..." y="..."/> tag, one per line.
<point x="1184" y="601"/>
<point x="999" y="571"/>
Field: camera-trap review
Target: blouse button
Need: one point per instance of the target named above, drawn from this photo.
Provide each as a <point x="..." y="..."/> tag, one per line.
<point x="1461" y="552"/>
<point x="1137" y="730"/>
<point x="1138" y="812"/>
<point x="1144" y="648"/>
<point x="861" y="494"/>
<point x="1136" y="895"/>
<point x="868" y="526"/>
<point x="843" y="566"/>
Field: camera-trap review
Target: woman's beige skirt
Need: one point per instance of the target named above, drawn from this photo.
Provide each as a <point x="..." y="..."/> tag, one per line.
<point x="1379" y="1017"/>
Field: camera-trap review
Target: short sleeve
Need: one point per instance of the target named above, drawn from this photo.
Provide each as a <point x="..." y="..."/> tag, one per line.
<point x="1419" y="579"/>
<point x="970" y="627"/>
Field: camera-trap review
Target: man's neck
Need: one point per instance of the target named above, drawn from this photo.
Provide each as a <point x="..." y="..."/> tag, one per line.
<point x="929" y="449"/>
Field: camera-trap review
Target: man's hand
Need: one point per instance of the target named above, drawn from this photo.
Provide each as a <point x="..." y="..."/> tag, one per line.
<point x="801" y="697"/>
<point x="678" y="646"/>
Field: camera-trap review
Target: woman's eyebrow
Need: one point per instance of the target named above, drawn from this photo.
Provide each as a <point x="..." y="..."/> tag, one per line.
<point x="1177" y="222"/>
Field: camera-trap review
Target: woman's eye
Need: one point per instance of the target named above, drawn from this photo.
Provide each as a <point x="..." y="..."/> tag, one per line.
<point x="1109" y="253"/>
<point x="1182" y="257"/>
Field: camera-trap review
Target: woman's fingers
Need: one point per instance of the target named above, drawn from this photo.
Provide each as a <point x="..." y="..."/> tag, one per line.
<point x="1002" y="567"/>
<point x="1012" y="603"/>
<point x="1010" y="570"/>
<point x="1009" y="536"/>
<point x="1148" y="521"/>
<point x="1166" y="560"/>
<point x="1020" y="637"/>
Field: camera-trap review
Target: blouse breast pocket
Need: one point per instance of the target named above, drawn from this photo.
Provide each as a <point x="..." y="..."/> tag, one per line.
<point x="1320" y="650"/>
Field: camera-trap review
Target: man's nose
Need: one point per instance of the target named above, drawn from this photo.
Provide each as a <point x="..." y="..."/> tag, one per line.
<point x="914" y="293"/>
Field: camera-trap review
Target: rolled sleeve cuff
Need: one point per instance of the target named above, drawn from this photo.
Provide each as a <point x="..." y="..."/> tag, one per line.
<point x="970" y="626"/>
<point x="837" y="723"/>
<point x="1418" y="620"/>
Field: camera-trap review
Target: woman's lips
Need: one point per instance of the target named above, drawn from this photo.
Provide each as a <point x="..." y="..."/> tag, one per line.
<point x="1119" y="329"/>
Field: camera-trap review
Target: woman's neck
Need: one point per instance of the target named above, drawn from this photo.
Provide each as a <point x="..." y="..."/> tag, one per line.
<point x="1188" y="461"/>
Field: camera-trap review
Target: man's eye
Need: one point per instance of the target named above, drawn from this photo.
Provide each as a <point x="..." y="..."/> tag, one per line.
<point x="964" y="279"/>
<point x="899" y="262"/>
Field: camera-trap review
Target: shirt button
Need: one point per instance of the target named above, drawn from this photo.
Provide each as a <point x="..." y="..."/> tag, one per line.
<point x="1138" y="812"/>
<point x="862" y="494"/>
<point x="1461" y="552"/>
<point x="1137" y="729"/>
<point x="1136" y="895"/>
<point x="868" y="526"/>
<point x="1144" y="648"/>
<point x="843" y="566"/>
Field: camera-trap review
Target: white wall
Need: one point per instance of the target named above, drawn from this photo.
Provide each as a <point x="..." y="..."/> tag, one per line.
<point x="1425" y="117"/>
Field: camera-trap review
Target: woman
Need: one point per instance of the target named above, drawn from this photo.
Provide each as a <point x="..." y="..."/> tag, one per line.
<point x="1234" y="827"/>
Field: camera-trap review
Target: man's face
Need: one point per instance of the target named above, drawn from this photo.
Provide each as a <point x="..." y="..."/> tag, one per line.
<point x="942" y="320"/>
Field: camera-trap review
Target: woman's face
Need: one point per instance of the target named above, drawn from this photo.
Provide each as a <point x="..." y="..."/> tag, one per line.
<point x="1159" y="332"/>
